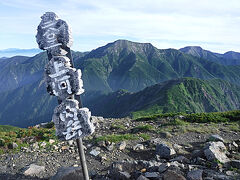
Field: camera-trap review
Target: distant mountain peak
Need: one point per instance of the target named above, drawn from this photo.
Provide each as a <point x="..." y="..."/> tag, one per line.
<point x="228" y="58"/>
<point x="193" y="47"/>
<point x="120" y="45"/>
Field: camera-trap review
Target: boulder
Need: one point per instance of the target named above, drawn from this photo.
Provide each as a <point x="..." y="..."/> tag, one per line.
<point x="142" y="178"/>
<point x="163" y="167"/>
<point x="117" y="169"/>
<point x="67" y="173"/>
<point x="138" y="147"/>
<point x="172" y="175"/>
<point x="12" y="145"/>
<point x="122" y="145"/>
<point x="152" y="174"/>
<point x="95" y="152"/>
<point x="33" y="170"/>
<point x="216" y="151"/>
<point x="216" y="138"/>
<point x="195" y="175"/>
<point x="164" y="151"/>
<point x="124" y="175"/>
<point x="235" y="164"/>
<point x="51" y="141"/>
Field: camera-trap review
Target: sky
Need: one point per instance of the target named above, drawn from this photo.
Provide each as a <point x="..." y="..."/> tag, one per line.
<point x="211" y="24"/>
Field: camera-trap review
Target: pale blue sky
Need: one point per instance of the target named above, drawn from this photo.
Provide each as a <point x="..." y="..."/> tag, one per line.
<point x="211" y="24"/>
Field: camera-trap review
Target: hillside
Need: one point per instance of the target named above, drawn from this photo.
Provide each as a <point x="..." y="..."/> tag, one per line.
<point x="118" y="65"/>
<point x="179" y="95"/>
<point x="133" y="66"/>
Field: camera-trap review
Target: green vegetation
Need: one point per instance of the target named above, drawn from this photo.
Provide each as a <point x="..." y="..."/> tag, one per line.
<point x="144" y="136"/>
<point x="184" y="95"/>
<point x="213" y="117"/>
<point x="21" y="135"/>
<point x="118" y="126"/>
<point x="7" y="128"/>
<point x="121" y="65"/>
<point x="143" y="128"/>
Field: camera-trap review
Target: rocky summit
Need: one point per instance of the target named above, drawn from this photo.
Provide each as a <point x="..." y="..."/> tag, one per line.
<point x="149" y="149"/>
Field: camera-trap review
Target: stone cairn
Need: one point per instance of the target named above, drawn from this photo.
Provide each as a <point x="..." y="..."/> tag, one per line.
<point x="62" y="80"/>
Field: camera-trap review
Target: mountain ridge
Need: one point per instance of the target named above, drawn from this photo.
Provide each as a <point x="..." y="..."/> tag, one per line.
<point x="228" y="58"/>
<point x="117" y="65"/>
<point x="177" y="95"/>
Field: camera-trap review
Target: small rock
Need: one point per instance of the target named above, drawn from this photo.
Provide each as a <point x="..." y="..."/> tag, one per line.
<point x="70" y="142"/>
<point x="43" y="144"/>
<point x="95" y="152"/>
<point x="197" y="153"/>
<point x="109" y="145"/>
<point x="143" y="170"/>
<point x="231" y="173"/>
<point x="164" y="151"/>
<point x="235" y="163"/>
<point x="166" y="134"/>
<point x="200" y="161"/>
<point x="75" y="165"/>
<point x="151" y="174"/>
<point x="35" y="146"/>
<point x="65" y="148"/>
<point x="118" y="167"/>
<point x="181" y="159"/>
<point x="195" y="175"/>
<point x="122" y="145"/>
<point x="124" y="175"/>
<point x="176" y="165"/>
<point x="55" y="147"/>
<point x="33" y="169"/>
<point x="101" y="143"/>
<point x="138" y="147"/>
<point x="163" y="167"/>
<point x="216" y="138"/>
<point x="172" y="175"/>
<point x="216" y="151"/>
<point x="103" y="157"/>
<point x="71" y="173"/>
<point x="12" y="145"/>
<point x="142" y="178"/>
<point x="51" y="141"/>
<point x="156" y="141"/>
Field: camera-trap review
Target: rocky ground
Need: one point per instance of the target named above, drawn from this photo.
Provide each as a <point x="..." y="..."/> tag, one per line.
<point x="129" y="149"/>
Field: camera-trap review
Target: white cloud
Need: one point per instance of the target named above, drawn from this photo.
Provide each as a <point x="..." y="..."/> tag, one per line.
<point x="213" y="24"/>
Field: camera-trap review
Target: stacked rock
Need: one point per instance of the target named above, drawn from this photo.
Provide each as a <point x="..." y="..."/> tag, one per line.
<point x="62" y="80"/>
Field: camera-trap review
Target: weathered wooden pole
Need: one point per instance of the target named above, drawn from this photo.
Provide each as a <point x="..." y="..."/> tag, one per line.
<point x="71" y="120"/>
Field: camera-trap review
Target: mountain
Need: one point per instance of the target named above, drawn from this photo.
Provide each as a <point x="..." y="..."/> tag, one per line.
<point x="133" y="66"/>
<point x="178" y="95"/>
<point x="118" y="65"/>
<point x="228" y="58"/>
<point x="18" y="52"/>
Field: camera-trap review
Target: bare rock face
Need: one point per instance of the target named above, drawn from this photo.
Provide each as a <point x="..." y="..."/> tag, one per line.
<point x="216" y="151"/>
